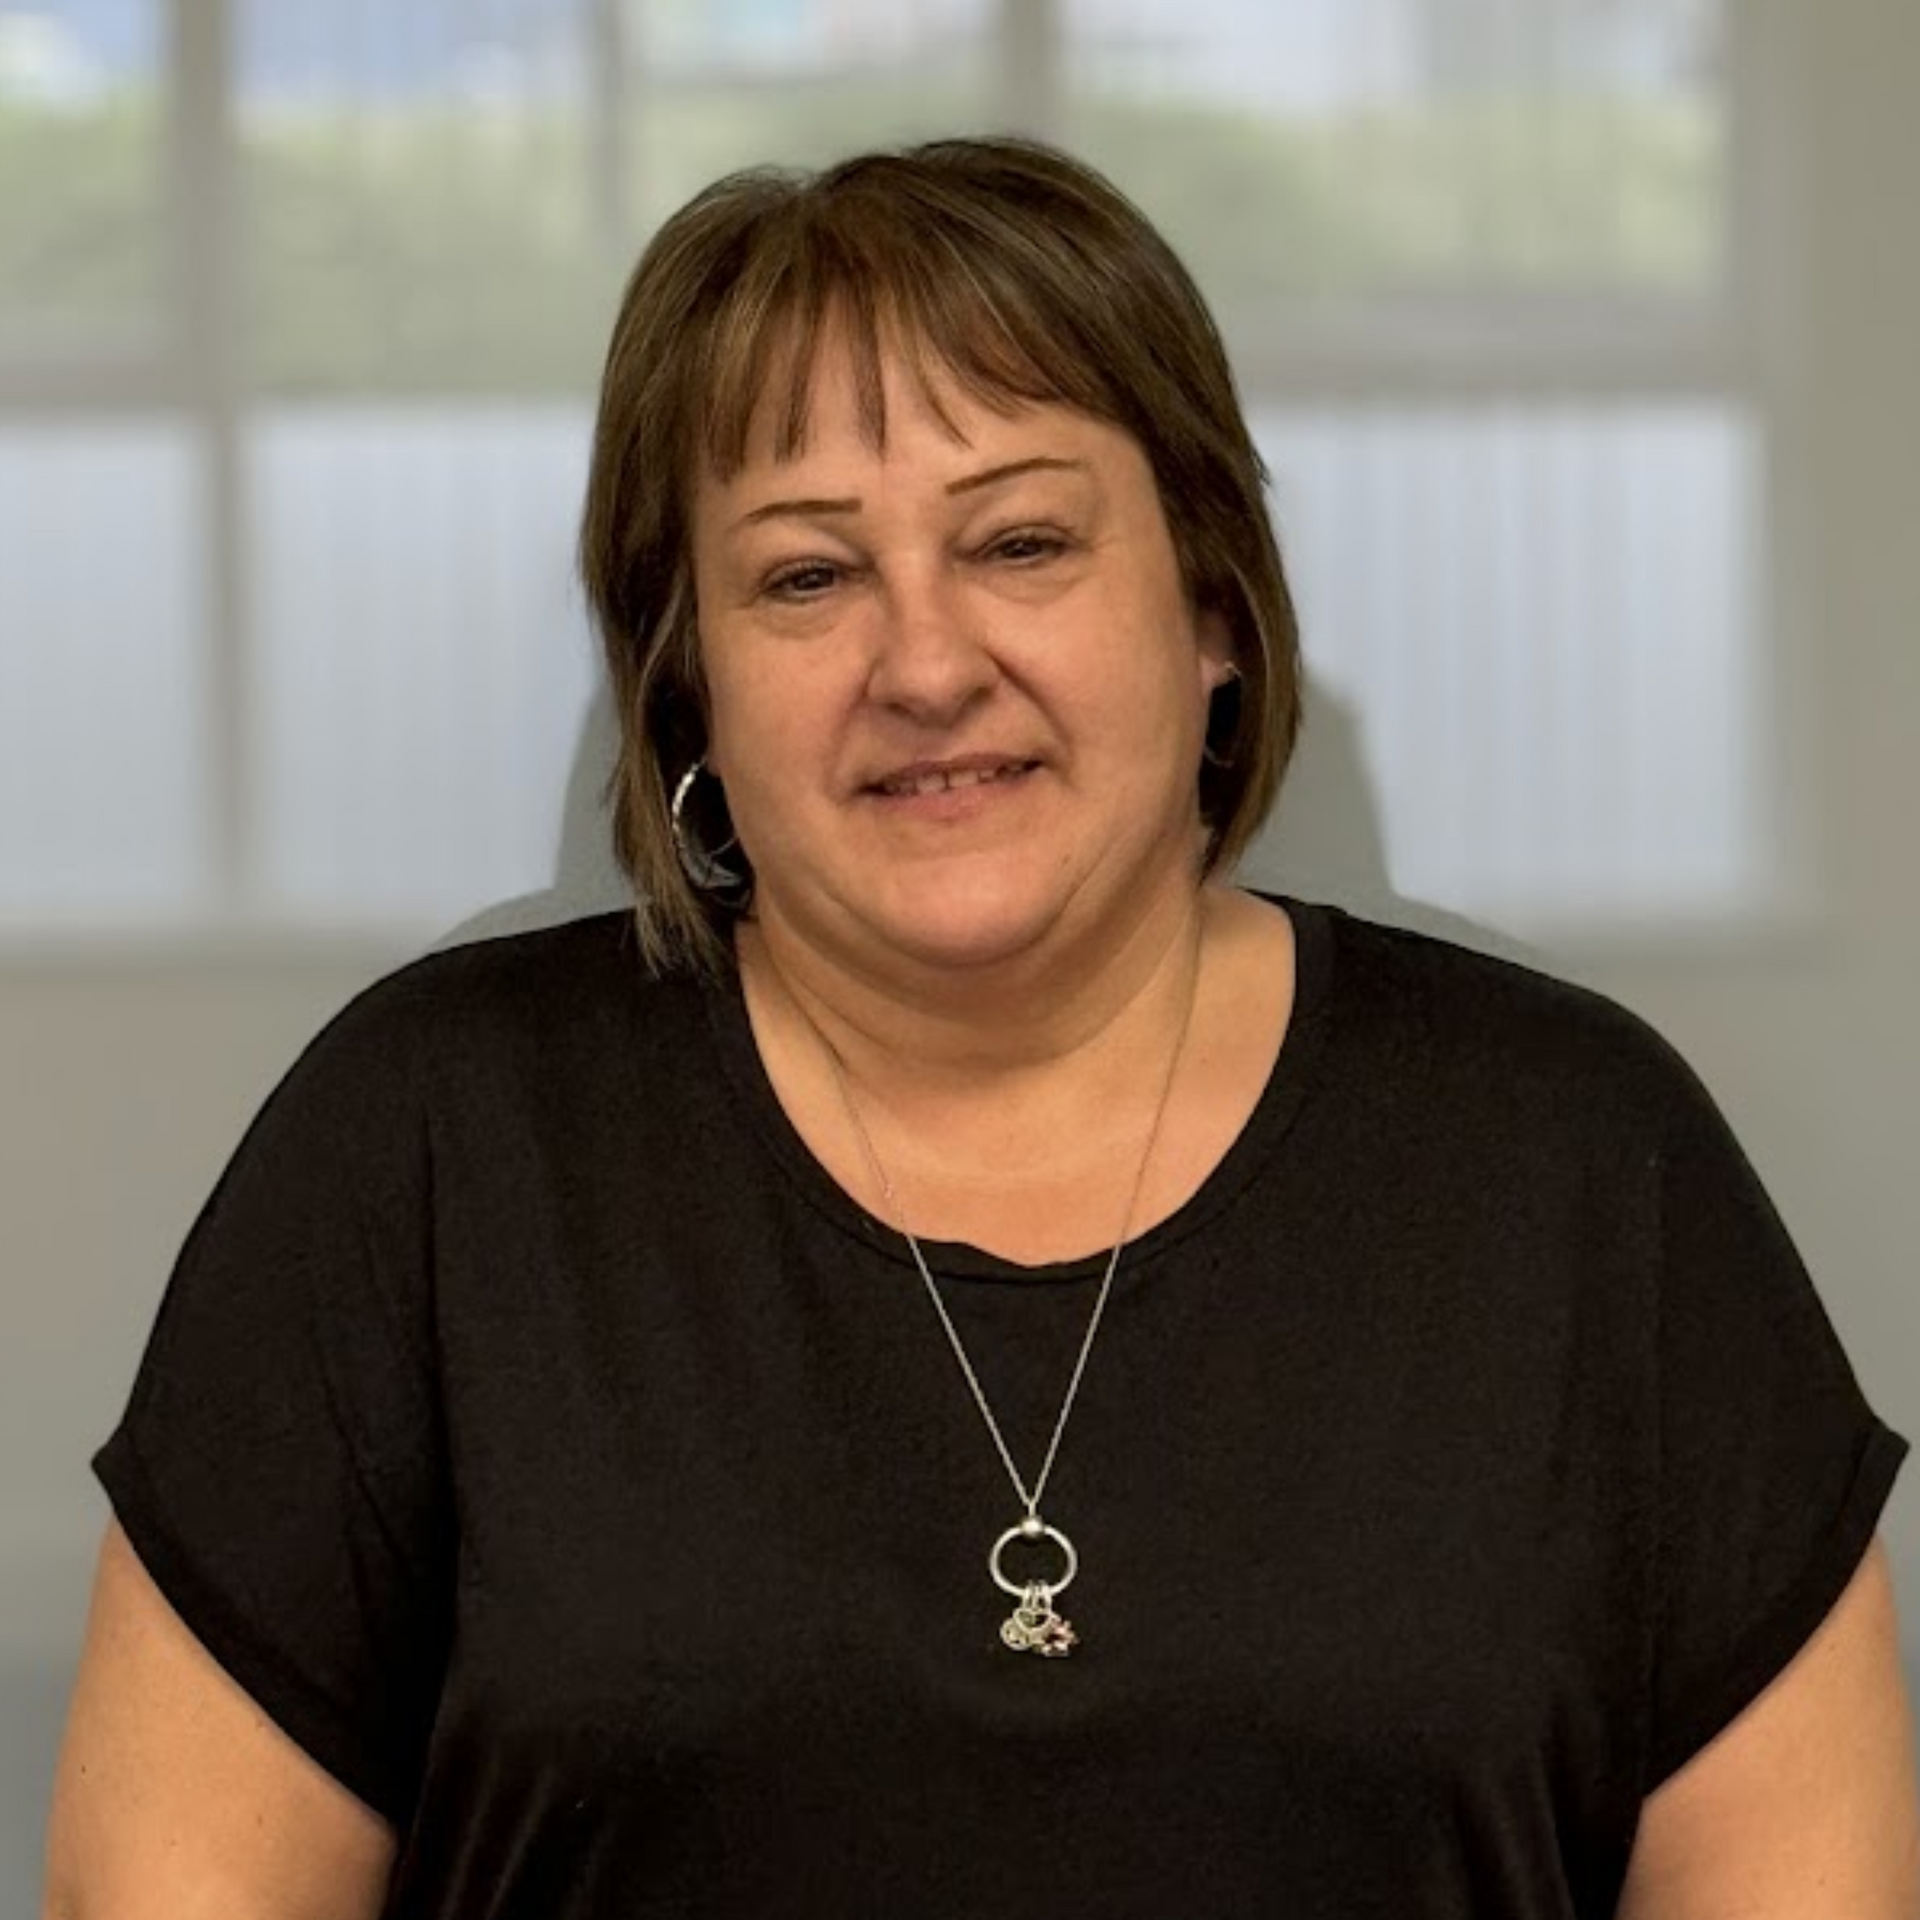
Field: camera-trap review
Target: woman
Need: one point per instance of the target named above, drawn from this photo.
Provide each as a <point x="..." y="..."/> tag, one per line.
<point x="975" y="1362"/>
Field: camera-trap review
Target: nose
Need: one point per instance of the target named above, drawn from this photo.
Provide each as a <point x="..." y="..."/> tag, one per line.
<point x="931" y="658"/>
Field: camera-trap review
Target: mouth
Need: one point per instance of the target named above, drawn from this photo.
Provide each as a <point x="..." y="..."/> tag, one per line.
<point x="949" y="776"/>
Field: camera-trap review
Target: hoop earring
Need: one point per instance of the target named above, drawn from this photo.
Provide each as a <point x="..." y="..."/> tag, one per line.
<point x="705" y="866"/>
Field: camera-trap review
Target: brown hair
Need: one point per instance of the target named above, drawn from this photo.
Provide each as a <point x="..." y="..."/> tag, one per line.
<point x="1024" y="276"/>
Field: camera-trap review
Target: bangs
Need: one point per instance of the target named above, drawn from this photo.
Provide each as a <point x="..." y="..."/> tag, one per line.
<point x="885" y="288"/>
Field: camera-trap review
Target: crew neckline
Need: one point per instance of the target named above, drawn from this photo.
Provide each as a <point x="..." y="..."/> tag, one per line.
<point x="1266" y="1127"/>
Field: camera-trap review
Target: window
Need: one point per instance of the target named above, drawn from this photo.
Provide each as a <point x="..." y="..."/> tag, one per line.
<point x="1474" y="259"/>
<point x="300" y="320"/>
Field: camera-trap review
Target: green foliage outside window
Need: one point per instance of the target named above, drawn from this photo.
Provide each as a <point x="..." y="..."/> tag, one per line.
<point x="82" y="250"/>
<point x="439" y="249"/>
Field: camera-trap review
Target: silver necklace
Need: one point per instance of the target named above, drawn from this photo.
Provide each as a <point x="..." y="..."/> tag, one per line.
<point x="1034" y="1625"/>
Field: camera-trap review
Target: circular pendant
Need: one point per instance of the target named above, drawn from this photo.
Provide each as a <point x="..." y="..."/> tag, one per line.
<point x="1032" y="1528"/>
<point x="1034" y="1626"/>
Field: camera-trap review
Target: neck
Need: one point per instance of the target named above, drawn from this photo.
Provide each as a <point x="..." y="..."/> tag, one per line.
<point x="944" y="1035"/>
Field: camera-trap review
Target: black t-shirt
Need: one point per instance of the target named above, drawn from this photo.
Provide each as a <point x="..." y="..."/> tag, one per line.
<point x="546" y="1442"/>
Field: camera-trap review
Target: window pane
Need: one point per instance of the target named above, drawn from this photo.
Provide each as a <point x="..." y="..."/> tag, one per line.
<point x="422" y="665"/>
<point x="800" y="82"/>
<point x="103" y="686"/>
<point x="82" y="202"/>
<point x="419" y="197"/>
<point x="1414" y="149"/>
<point x="1540" y="624"/>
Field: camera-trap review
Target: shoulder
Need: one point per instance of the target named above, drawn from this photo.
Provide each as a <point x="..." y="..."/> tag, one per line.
<point x="512" y="990"/>
<point x="578" y="962"/>
<point x="1414" y="1015"/>
<point x="466" y="1029"/>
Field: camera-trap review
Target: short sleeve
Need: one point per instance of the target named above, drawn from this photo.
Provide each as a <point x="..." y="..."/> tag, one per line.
<point x="280" y="1465"/>
<point x="1773" y="1470"/>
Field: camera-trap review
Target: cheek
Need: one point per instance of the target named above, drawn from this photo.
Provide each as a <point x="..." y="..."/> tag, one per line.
<point x="734" y="747"/>
<point x="766" y="735"/>
<point x="1192" y="673"/>
<point x="736" y="711"/>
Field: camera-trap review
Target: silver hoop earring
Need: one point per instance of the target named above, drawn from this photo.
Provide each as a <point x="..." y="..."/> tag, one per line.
<point x="705" y="866"/>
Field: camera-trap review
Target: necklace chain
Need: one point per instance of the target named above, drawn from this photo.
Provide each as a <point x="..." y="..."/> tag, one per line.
<point x="1030" y="1498"/>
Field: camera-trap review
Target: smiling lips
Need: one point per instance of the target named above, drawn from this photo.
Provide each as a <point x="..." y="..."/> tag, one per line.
<point x="946" y="777"/>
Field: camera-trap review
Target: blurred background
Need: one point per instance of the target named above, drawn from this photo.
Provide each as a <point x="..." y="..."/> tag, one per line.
<point x="1578" y="333"/>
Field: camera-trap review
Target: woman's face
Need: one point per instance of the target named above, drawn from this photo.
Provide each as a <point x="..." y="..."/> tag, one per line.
<point x="958" y="696"/>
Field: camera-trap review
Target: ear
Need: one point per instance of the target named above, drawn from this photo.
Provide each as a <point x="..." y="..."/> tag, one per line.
<point x="1213" y="644"/>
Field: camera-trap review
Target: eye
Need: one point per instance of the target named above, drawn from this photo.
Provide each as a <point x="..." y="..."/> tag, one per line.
<point x="1026" y="546"/>
<point x="804" y="580"/>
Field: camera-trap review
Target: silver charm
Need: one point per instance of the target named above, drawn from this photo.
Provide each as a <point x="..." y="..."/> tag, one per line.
<point x="1034" y="1626"/>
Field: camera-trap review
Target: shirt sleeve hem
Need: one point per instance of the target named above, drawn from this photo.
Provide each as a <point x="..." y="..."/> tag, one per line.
<point x="291" y="1699"/>
<point x="1771" y="1643"/>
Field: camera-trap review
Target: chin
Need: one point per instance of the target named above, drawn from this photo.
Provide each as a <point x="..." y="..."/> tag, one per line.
<point x="966" y="926"/>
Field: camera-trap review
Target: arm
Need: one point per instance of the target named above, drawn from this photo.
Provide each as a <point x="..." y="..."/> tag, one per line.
<point x="176" y="1796"/>
<point x="1804" y="1808"/>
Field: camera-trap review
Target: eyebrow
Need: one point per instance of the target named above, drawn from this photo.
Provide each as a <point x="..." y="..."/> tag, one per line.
<point x="969" y="483"/>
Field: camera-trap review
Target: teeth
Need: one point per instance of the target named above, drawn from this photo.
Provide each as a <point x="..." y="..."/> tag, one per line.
<point x="943" y="782"/>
